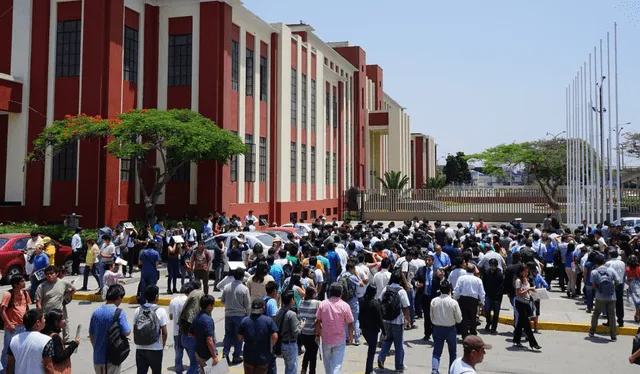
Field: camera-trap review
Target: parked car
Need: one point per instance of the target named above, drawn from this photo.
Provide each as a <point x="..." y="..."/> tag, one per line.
<point x="283" y="232"/>
<point x="629" y="224"/>
<point x="303" y="227"/>
<point x="252" y="239"/>
<point x="12" y="257"/>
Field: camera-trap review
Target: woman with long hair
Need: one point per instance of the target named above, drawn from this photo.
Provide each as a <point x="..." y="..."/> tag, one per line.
<point x="295" y="285"/>
<point x="370" y="318"/>
<point x="259" y="279"/>
<point x="54" y="323"/>
<point x="633" y="280"/>
<point x="307" y="313"/>
<point x="523" y="306"/>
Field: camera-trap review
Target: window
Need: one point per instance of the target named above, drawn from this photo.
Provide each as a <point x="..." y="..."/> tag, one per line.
<point x="335" y="111"/>
<point x="328" y="211"/>
<point x="264" y="78"/>
<point x="313" y="214"/>
<point x="335" y="211"/>
<point x="263" y="159"/>
<point x="313" y="165"/>
<point x="183" y="173"/>
<point x="250" y="160"/>
<point x="234" y="164"/>
<point x="303" y="215"/>
<point x="126" y="169"/>
<point x="327" y="169"/>
<point x="130" y="67"/>
<point x="65" y="163"/>
<point x="335" y="168"/>
<point x="304" y="102"/>
<point x="292" y="216"/>
<point x="179" y="60"/>
<point x="294" y="160"/>
<point x="327" y="105"/>
<point x="235" y="65"/>
<point x="68" y="49"/>
<point x="313" y="105"/>
<point x="263" y="219"/>
<point x="294" y="97"/>
<point x="303" y="163"/>
<point x="249" y="73"/>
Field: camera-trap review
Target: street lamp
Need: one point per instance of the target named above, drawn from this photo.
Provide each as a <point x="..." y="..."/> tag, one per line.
<point x="556" y="135"/>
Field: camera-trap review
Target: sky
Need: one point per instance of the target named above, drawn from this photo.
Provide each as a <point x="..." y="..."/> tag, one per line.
<point x="479" y="73"/>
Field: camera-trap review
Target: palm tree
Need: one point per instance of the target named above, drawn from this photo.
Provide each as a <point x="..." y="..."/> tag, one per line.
<point x="435" y="183"/>
<point x="394" y="180"/>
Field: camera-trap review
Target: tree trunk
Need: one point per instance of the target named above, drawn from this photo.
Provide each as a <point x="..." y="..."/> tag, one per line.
<point x="550" y="193"/>
<point x="150" y="211"/>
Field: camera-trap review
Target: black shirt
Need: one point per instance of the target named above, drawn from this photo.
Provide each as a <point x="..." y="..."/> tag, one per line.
<point x="370" y="316"/>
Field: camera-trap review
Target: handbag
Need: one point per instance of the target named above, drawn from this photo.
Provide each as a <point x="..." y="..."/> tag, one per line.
<point x="277" y="348"/>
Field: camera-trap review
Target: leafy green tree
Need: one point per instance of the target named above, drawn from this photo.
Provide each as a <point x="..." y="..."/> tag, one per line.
<point x="457" y="170"/>
<point x="394" y="180"/>
<point x="544" y="160"/>
<point x="436" y="183"/>
<point x="179" y="136"/>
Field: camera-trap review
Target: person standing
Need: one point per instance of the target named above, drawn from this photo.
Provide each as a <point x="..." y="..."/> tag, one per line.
<point x="289" y="328"/>
<point x="237" y="305"/>
<point x="40" y="262"/>
<point x="31" y="351"/>
<point x="201" y="263"/>
<point x="203" y="331"/>
<point x="189" y="312"/>
<point x="127" y="246"/>
<point x="15" y="303"/>
<point x="54" y="293"/>
<point x="371" y="324"/>
<point x="351" y="280"/>
<point x="523" y="306"/>
<point x="150" y="342"/>
<point x="259" y="333"/>
<point x="381" y="278"/>
<point x="107" y="255"/>
<point x="173" y="266"/>
<point x="393" y="327"/>
<point x="90" y="264"/>
<point x="332" y="318"/>
<point x="445" y="314"/>
<point x="54" y="323"/>
<point x="307" y="310"/>
<point x="619" y="267"/>
<point x="604" y="281"/>
<point x="493" y="282"/>
<point x="76" y="246"/>
<point x="428" y="283"/>
<point x="474" y="351"/>
<point x="175" y="310"/>
<point x="148" y="262"/>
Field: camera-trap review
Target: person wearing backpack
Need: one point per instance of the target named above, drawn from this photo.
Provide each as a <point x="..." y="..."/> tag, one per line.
<point x="395" y="313"/>
<point x="445" y="313"/>
<point x="604" y="281"/>
<point x="109" y="350"/>
<point x="15" y="303"/>
<point x="150" y="332"/>
<point x="350" y="281"/>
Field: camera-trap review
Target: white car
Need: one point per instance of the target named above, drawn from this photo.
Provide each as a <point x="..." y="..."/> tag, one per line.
<point x="306" y="227"/>
<point x="252" y="239"/>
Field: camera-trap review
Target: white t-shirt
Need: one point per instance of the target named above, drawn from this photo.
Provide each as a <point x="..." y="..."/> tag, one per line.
<point x="175" y="309"/>
<point x="319" y="276"/>
<point x="108" y="250"/>
<point x="163" y="318"/>
<point x="363" y="273"/>
<point x="460" y="367"/>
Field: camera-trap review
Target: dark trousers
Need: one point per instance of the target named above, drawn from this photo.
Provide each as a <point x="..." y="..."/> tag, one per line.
<point x="426" y="310"/>
<point x="132" y="259"/>
<point x="34" y="286"/>
<point x="218" y="267"/>
<point x="75" y="267"/>
<point x="469" y="308"/>
<point x="90" y="271"/>
<point x="204" y="276"/>
<point x="492" y="304"/>
<point x="173" y="267"/>
<point x="255" y="369"/>
<point x="620" y="304"/>
<point x="522" y="322"/>
<point x="556" y="272"/>
<point x="310" y="357"/>
<point x="578" y="283"/>
<point x="418" y="303"/>
<point x="146" y="359"/>
<point x="145" y="280"/>
<point x="371" y="337"/>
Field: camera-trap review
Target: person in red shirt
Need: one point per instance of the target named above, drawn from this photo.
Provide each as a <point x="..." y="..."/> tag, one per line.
<point x="481" y="225"/>
<point x="14" y="305"/>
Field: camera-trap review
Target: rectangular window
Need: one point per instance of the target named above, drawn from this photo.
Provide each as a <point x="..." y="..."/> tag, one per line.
<point x="313" y="214"/>
<point x="328" y="211"/>
<point x="293" y="215"/>
<point x="335" y="169"/>
<point x="327" y="176"/>
<point x="249" y="73"/>
<point x="126" y="169"/>
<point x="65" y="163"/>
<point x="303" y="215"/>
<point x="327" y="105"/>
<point x="264" y="78"/>
<point x="68" y="49"/>
<point x="250" y="159"/>
<point x="235" y="65"/>
<point x="313" y="105"/>
<point x="335" y="111"/>
<point x="263" y="159"/>
<point x="303" y="163"/>
<point x="294" y="160"/>
<point x="179" y="60"/>
<point x="335" y="211"/>
<point x="294" y="97"/>
<point x="130" y="67"/>
<point x="264" y="219"/>
<point x="313" y="165"/>
<point x="233" y="164"/>
<point x="183" y="173"/>
<point x="303" y="96"/>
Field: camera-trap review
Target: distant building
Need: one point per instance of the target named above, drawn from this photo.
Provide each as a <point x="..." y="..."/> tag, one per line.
<point x="423" y="159"/>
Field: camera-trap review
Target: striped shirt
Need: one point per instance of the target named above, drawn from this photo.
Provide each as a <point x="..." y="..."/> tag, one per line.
<point x="307" y="311"/>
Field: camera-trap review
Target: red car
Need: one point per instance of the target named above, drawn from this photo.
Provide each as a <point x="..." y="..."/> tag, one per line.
<point x="12" y="260"/>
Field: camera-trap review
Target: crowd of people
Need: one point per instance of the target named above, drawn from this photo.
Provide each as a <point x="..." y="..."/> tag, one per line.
<point x="315" y="294"/>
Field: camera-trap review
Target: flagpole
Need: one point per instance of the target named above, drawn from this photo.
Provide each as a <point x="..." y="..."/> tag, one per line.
<point x="618" y="149"/>
<point x="569" y="159"/>
<point x="602" y="141"/>
<point x="610" y="142"/>
<point x="587" y="153"/>
<point x="594" y="190"/>
<point x="576" y="123"/>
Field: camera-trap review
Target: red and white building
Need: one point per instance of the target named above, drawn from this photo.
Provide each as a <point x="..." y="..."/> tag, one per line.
<point x="423" y="159"/>
<point x="313" y="113"/>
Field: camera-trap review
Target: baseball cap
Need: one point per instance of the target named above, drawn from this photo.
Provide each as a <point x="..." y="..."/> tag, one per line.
<point x="257" y="305"/>
<point x="475" y="342"/>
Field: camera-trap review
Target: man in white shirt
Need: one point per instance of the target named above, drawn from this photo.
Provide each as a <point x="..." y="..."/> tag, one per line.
<point x="76" y="246"/>
<point x="451" y="233"/>
<point x="381" y="279"/>
<point x="394" y="329"/>
<point x="250" y="217"/>
<point x="107" y="253"/>
<point x="363" y="274"/>
<point x="445" y="313"/>
<point x="175" y="310"/>
<point x="474" y="351"/>
<point x="469" y="292"/>
<point x="620" y="268"/>
<point x="31" y="351"/>
<point x="342" y="254"/>
<point x="150" y="355"/>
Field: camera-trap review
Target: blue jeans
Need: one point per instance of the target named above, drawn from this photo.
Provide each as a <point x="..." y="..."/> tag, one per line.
<point x="393" y="334"/>
<point x="492" y="305"/>
<point x="290" y="356"/>
<point x="7" y="340"/>
<point x="173" y="267"/>
<point x="231" y="325"/>
<point x="355" y="310"/>
<point x="440" y="335"/>
<point x="146" y="280"/>
<point x="333" y="355"/>
<point x="178" y="348"/>
<point x="189" y="345"/>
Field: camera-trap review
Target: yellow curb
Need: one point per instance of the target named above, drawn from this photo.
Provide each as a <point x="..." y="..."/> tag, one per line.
<point x="572" y="327"/>
<point x="83" y="296"/>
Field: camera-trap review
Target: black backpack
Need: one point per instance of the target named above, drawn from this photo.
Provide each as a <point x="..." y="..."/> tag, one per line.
<point x="347" y="292"/>
<point x="390" y="305"/>
<point x="117" y="344"/>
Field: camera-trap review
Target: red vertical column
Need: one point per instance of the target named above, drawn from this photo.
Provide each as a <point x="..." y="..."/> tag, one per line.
<point x="4" y="129"/>
<point x="419" y="168"/>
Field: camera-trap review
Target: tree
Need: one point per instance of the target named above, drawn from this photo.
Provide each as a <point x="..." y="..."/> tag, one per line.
<point x="544" y="160"/>
<point x="394" y="180"/>
<point x="456" y="169"/>
<point x="179" y="136"/>
<point x="436" y="183"/>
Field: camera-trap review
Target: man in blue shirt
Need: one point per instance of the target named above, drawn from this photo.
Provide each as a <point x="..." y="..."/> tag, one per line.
<point x="148" y="261"/>
<point x="334" y="262"/>
<point x="40" y="261"/>
<point x="203" y="330"/>
<point x="441" y="260"/>
<point x="259" y="333"/>
<point x="101" y="320"/>
<point x="275" y="271"/>
<point x="271" y="305"/>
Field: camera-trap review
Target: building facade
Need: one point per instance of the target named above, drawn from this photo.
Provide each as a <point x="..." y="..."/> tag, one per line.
<point x="314" y="114"/>
<point x="423" y="159"/>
